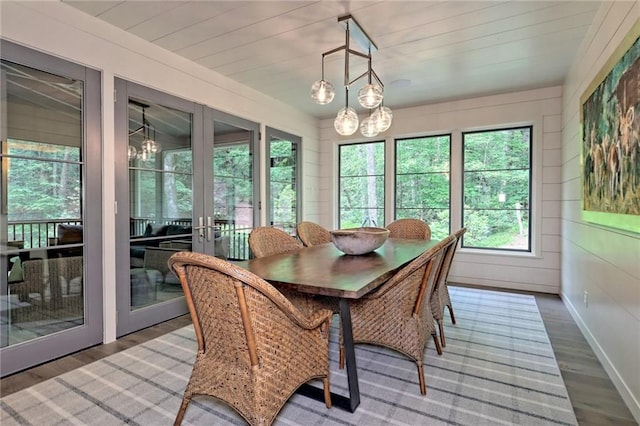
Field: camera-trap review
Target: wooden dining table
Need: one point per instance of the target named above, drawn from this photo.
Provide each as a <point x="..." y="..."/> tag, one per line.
<point x="324" y="270"/>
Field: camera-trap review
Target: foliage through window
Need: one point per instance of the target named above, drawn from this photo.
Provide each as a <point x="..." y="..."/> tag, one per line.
<point x="283" y="180"/>
<point x="423" y="181"/>
<point x="361" y="185"/>
<point x="497" y="188"/>
<point x="233" y="184"/>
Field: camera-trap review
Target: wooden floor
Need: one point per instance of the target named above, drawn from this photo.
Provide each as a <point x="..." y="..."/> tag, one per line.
<point x="595" y="400"/>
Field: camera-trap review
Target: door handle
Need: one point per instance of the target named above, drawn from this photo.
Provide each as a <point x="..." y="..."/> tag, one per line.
<point x="209" y="227"/>
<point x="200" y="228"/>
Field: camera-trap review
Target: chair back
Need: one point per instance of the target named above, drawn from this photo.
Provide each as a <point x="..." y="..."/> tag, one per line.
<point x="266" y="241"/>
<point x="411" y="229"/>
<point x="312" y="234"/>
<point x="458" y="234"/>
<point x="450" y="251"/>
<point x="236" y="315"/>
<point x="413" y="281"/>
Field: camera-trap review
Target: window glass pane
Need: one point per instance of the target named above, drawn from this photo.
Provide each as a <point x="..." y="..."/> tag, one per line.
<point x="233" y="195"/>
<point x="497" y="182"/>
<point x="362" y="185"/>
<point x="422" y="181"/>
<point x="283" y="184"/>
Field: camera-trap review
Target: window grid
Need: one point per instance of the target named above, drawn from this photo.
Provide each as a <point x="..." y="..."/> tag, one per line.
<point x="496" y="188"/>
<point x="422" y="181"/>
<point x="361" y="184"/>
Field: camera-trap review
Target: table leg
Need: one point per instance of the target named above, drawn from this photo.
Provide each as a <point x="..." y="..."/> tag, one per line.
<point x="349" y="355"/>
<point x="340" y="401"/>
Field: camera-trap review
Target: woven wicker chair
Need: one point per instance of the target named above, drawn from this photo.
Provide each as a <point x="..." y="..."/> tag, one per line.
<point x="397" y="315"/>
<point x="440" y="298"/>
<point x="266" y="241"/>
<point x="411" y="229"/>
<point x="254" y="347"/>
<point x="312" y="234"/>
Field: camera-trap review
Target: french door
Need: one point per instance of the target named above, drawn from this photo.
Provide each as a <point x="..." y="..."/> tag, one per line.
<point x="170" y="197"/>
<point x="50" y="208"/>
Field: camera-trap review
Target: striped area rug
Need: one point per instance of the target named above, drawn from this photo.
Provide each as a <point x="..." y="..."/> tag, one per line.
<point x="498" y="369"/>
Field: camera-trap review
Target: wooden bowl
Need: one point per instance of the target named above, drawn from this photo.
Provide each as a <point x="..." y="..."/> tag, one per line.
<point x="359" y="240"/>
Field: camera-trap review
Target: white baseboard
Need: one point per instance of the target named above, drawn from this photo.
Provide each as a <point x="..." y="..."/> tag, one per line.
<point x="618" y="382"/>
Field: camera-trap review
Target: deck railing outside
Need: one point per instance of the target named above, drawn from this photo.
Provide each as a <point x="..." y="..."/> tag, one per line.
<point x="39" y="233"/>
<point x="36" y="233"/>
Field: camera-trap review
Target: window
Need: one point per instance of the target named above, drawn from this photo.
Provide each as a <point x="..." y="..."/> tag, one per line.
<point x="361" y="185"/>
<point x="284" y="196"/>
<point x="423" y="181"/>
<point x="497" y="189"/>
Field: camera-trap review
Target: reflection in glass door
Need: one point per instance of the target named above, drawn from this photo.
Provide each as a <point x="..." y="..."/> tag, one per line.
<point x="168" y="199"/>
<point x="48" y="308"/>
<point x="234" y="191"/>
<point x="160" y="199"/>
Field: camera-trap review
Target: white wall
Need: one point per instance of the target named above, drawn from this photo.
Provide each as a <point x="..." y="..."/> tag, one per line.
<point x="604" y="262"/>
<point x="59" y="30"/>
<point x="537" y="271"/>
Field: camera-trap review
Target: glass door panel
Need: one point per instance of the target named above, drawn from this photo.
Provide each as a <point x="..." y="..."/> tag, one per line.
<point x="234" y="190"/>
<point x="43" y="205"/>
<point x="47" y="307"/>
<point x="160" y="199"/>
<point x="284" y="192"/>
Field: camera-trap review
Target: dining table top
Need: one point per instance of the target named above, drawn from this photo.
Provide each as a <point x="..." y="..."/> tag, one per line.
<point x="325" y="270"/>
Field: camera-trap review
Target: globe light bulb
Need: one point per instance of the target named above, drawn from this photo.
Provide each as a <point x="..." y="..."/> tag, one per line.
<point x="133" y="152"/>
<point x="370" y="95"/>
<point x="346" y="122"/>
<point x="149" y="146"/>
<point x="368" y="127"/>
<point x="383" y="118"/>
<point x="322" y="92"/>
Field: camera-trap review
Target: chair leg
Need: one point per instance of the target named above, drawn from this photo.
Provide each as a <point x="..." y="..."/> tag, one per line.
<point x="436" y="341"/>
<point x="341" y="356"/>
<point x="327" y="392"/>
<point x="453" y="317"/>
<point x="423" y="385"/>
<point x="443" y="341"/>
<point x="181" y="411"/>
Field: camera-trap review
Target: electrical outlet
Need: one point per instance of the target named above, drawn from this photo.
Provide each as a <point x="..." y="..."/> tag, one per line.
<point x="586" y="299"/>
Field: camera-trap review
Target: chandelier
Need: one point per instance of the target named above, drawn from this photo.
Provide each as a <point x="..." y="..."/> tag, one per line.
<point x="370" y="96"/>
<point x="149" y="145"/>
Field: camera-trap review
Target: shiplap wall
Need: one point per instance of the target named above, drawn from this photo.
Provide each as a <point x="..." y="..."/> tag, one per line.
<point x="604" y="262"/>
<point x="537" y="271"/>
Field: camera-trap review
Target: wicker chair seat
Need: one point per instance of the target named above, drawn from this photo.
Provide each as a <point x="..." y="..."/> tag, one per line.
<point x="255" y="348"/>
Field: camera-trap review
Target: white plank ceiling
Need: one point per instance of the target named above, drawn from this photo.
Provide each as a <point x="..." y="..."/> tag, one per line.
<point x="428" y="51"/>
